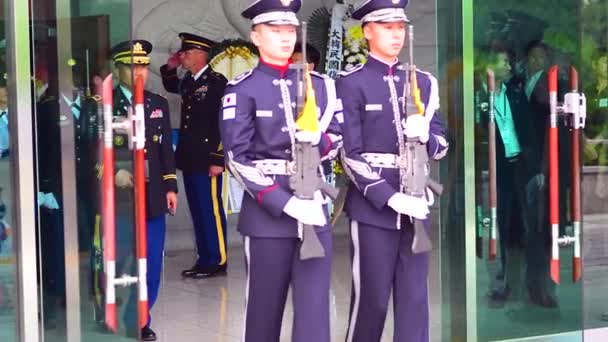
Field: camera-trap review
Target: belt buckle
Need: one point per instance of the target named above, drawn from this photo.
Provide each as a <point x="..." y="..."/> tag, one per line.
<point x="290" y="168"/>
<point x="401" y="161"/>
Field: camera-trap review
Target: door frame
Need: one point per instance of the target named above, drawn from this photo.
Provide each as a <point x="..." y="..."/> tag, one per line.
<point x="22" y="167"/>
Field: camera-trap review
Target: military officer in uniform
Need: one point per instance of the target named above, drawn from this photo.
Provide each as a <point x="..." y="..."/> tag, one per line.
<point x="375" y="130"/>
<point x="259" y="134"/>
<point x="199" y="153"/>
<point x="131" y="60"/>
<point x="84" y="114"/>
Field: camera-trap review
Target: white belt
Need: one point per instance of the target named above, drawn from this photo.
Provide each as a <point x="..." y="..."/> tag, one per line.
<point x="274" y="166"/>
<point x="385" y="160"/>
<point x="393" y="161"/>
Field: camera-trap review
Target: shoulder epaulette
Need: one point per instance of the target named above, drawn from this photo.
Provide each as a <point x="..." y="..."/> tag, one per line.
<point x="318" y="74"/>
<point x="424" y="72"/>
<point x="217" y="74"/>
<point x="351" y="70"/>
<point x="240" y="78"/>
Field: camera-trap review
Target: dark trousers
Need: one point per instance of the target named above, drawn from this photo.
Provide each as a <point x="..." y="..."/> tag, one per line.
<point x="524" y="224"/>
<point x="511" y="209"/>
<point x="52" y="252"/>
<point x="382" y="261"/>
<point x="204" y="195"/>
<point x="273" y="265"/>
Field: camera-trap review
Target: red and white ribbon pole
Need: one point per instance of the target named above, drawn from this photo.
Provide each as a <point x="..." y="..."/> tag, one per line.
<point x="576" y="106"/>
<point x="139" y="140"/>
<point x="554" y="175"/>
<point x="108" y="212"/>
<point x="491" y="83"/>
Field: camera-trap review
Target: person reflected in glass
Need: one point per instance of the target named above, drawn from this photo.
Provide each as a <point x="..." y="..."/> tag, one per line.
<point x="511" y="140"/>
<point x="4" y="134"/>
<point x="536" y="92"/>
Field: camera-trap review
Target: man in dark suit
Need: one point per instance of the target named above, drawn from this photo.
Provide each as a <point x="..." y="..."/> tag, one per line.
<point x="512" y="127"/>
<point x="536" y="91"/>
<point x="200" y="154"/>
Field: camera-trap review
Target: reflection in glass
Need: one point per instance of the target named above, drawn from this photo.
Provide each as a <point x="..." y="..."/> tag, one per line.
<point x="71" y="43"/>
<point x="516" y="296"/>
<point x="594" y="76"/>
<point x="8" y="309"/>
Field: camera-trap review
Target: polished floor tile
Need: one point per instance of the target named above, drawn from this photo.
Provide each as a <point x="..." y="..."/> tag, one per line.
<point x="215" y="307"/>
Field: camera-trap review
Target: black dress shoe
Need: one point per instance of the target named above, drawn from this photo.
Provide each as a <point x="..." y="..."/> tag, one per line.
<point x="148" y="334"/>
<point x="200" y="272"/>
<point x="189" y="272"/>
<point x="500" y="295"/>
<point x="217" y="271"/>
<point x="543" y="299"/>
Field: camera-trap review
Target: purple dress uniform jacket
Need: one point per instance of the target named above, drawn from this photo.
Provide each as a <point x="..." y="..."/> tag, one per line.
<point x="257" y="131"/>
<point x="369" y="127"/>
<point x="382" y="257"/>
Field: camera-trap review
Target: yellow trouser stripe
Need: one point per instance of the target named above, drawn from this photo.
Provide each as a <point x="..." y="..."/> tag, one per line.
<point x="218" y="220"/>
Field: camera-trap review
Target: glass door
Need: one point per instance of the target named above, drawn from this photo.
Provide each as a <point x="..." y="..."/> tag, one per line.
<point x="525" y="258"/>
<point x="525" y="283"/>
<point x="72" y="41"/>
<point x="8" y="285"/>
<point x="594" y="76"/>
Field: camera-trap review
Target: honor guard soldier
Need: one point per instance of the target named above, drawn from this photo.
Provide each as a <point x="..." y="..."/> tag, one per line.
<point x="260" y="139"/>
<point x="377" y="131"/>
<point x="131" y="60"/>
<point x="200" y="154"/>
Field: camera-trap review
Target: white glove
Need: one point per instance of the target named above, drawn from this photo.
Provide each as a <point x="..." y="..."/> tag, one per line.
<point x="309" y="137"/>
<point x="123" y="179"/>
<point x="309" y="212"/>
<point x="417" y="126"/>
<point x="47" y="200"/>
<point x="409" y="205"/>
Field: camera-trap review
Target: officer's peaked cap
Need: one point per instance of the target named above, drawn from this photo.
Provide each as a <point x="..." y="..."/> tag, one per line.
<point x="380" y="11"/>
<point x="273" y="12"/>
<point x="191" y="41"/>
<point x="132" y="52"/>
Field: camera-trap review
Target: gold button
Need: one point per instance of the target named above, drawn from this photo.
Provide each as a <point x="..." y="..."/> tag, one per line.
<point x="185" y="126"/>
<point x="187" y="116"/>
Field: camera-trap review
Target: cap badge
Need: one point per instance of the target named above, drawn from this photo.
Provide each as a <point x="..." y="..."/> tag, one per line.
<point x="286" y="2"/>
<point x="138" y="48"/>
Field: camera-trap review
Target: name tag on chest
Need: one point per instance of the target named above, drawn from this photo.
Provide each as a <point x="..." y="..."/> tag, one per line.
<point x="263" y="113"/>
<point x="373" y="107"/>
